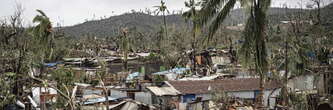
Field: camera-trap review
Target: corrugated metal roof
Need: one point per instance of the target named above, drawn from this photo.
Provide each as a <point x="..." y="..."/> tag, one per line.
<point x="129" y="104"/>
<point x="229" y="85"/>
<point x="98" y="100"/>
<point x="212" y="77"/>
<point x="82" y="84"/>
<point x="174" y="70"/>
<point x="162" y="91"/>
<point x="92" y="96"/>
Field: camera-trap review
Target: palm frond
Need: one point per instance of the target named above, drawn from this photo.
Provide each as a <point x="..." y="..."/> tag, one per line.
<point x="246" y="3"/>
<point x="187" y="15"/>
<point x="38" y="18"/>
<point x="187" y="4"/>
<point x="41" y="12"/>
<point x="168" y="12"/>
<point x="218" y="20"/>
<point x="265" y="5"/>
<point x="158" y="12"/>
<point x="259" y="26"/>
<point x="209" y="10"/>
<point x="248" y="37"/>
<point x="255" y="38"/>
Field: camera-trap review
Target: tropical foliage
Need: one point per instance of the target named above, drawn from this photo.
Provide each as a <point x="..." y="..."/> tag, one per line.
<point x="214" y="12"/>
<point x="265" y="45"/>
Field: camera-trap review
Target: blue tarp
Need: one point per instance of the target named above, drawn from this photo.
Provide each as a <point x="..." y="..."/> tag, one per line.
<point x="132" y="76"/>
<point x="174" y="70"/>
<point x="239" y="41"/>
<point x="188" y="98"/>
<point x="311" y="54"/>
<point x="51" y="64"/>
<point x="330" y="55"/>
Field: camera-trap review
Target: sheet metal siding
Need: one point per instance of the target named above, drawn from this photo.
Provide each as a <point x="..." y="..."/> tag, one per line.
<point x="118" y="94"/>
<point x="144" y="97"/>
<point x="243" y="94"/>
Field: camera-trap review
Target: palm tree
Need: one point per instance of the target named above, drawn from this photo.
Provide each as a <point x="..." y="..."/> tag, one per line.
<point x="43" y="30"/>
<point x="162" y="9"/>
<point x="213" y="14"/>
<point x="192" y="15"/>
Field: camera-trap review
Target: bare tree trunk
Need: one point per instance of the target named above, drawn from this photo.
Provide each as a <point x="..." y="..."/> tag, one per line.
<point x="318" y="11"/>
<point x="125" y="49"/>
<point x="285" y="85"/>
<point x="70" y="100"/>
<point x="125" y="60"/>
<point x="165" y="26"/>
<point x="194" y="50"/>
<point x="262" y="89"/>
<point x="106" y="95"/>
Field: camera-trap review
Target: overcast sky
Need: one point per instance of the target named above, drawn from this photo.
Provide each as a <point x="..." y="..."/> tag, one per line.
<point x="70" y="12"/>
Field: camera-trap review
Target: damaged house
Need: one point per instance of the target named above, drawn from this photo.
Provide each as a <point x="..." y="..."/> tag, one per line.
<point x="202" y="90"/>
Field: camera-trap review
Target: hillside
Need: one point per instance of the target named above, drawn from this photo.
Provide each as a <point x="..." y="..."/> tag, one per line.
<point x="238" y="16"/>
<point x="148" y="23"/>
<point x="110" y="27"/>
<point x="327" y="16"/>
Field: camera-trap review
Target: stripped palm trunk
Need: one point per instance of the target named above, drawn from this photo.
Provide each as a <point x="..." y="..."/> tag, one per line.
<point x="165" y="26"/>
<point x="193" y="47"/>
<point x="125" y="51"/>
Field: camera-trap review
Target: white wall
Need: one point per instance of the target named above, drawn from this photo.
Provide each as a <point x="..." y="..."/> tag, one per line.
<point x="36" y="92"/>
<point x="196" y="106"/>
<point x="182" y="106"/>
<point x="305" y="82"/>
<point x="242" y="94"/>
<point x="204" y="96"/>
<point x="220" y="60"/>
<point x="268" y="95"/>
<point x="271" y="98"/>
<point x="117" y="93"/>
<point x="144" y="97"/>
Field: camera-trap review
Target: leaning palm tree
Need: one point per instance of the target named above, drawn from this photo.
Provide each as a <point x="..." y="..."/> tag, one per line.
<point x="42" y="31"/>
<point x="192" y="15"/>
<point x="213" y="14"/>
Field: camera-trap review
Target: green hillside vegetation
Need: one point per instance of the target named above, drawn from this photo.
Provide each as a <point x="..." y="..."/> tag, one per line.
<point x="150" y="23"/>
<point x="111" y="26"/>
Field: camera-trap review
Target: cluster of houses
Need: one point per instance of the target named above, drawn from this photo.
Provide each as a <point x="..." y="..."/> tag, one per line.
<point x="218" y="81"/>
